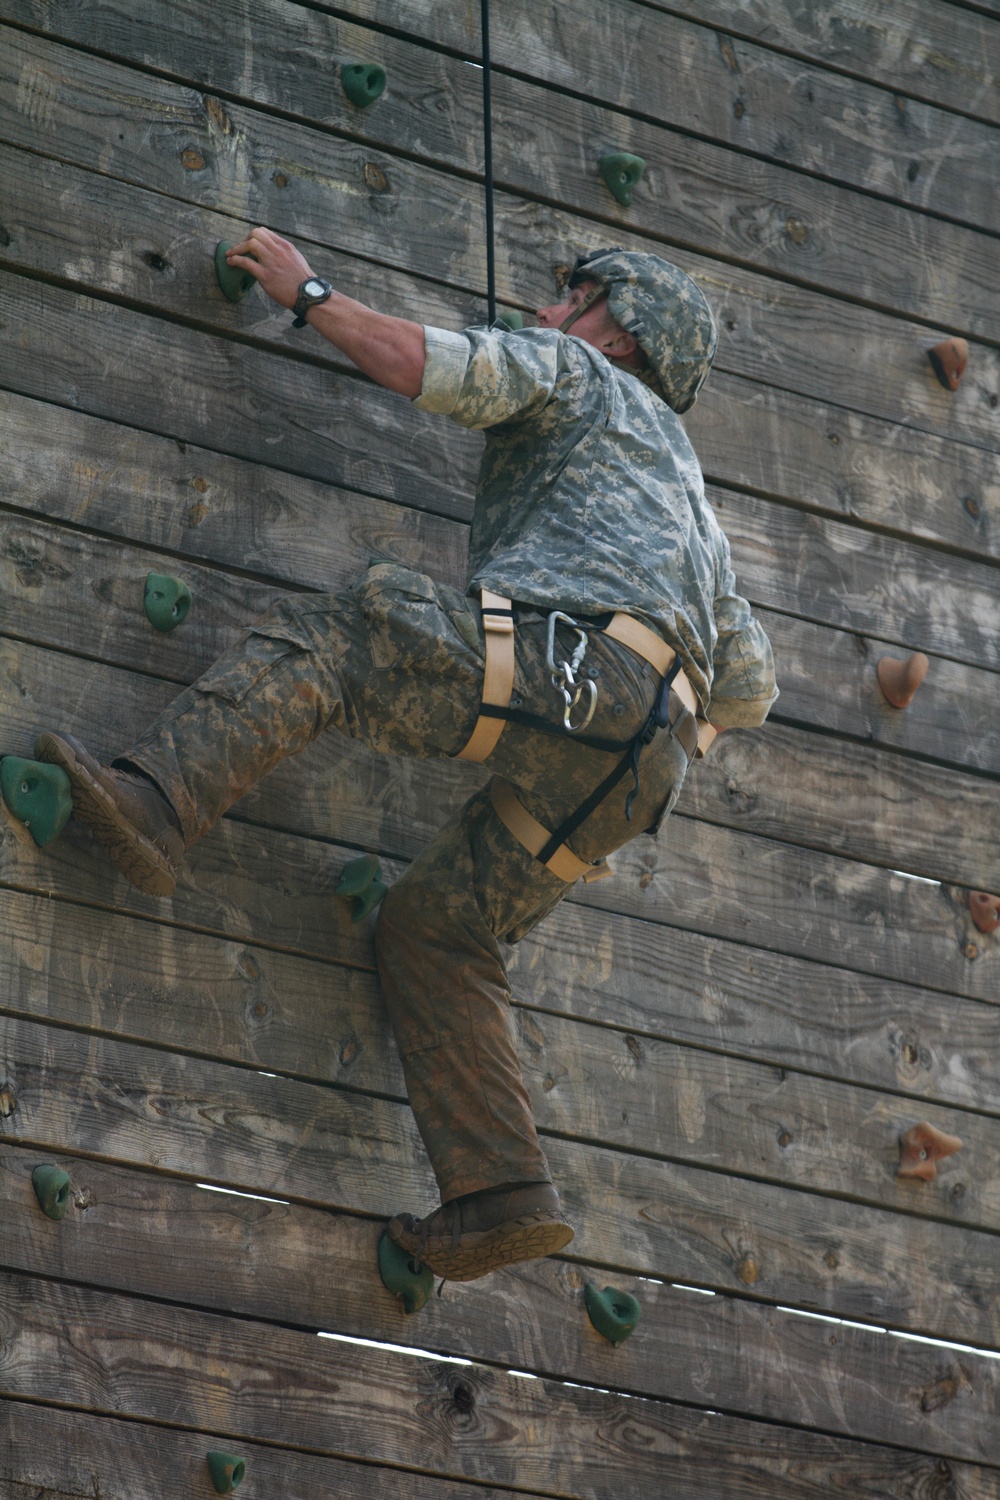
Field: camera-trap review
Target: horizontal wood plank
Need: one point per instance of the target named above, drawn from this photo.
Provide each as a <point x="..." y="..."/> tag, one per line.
<point x="738" y="94"/>
<point x="201" y="1370"/>
<point x="145" y="1107"/>
<point x="241" y="1002"/>
<point x="703" y="878"/>
<point x="587" y="1082"/>
<point x="764" y="1361"/>
<point x="45" y="1451"/>
<point x="940" y="52"/>
<point x="693" y="194"/>
<point x="424" y="222"/>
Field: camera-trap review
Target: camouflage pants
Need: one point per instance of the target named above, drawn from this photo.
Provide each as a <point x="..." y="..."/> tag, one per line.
<point x="397" y="662"/>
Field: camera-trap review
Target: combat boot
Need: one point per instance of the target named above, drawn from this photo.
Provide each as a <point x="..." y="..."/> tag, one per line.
<point x="471" y="1236"/>
<point x="126" y="811"/>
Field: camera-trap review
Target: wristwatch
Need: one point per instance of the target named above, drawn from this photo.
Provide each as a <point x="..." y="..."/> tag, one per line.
<point x="311" y="293"/>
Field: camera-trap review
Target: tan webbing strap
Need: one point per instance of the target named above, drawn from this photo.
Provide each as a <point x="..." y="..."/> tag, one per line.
<point x="534" y="836"/>
<point x="638" y="637"/>
<point x="498" y="679"/>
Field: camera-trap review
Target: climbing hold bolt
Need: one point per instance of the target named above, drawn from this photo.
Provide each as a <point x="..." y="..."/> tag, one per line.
<point x="949" y="359"/>
<point x="362" y="82"/>
<point x="227" y="1472"/>
<point x="985" y="910"/>
<point x="37" y="794"/>
<point x="233" y="282"/>
<point x="51" y="1185"/>
<point x="920" y="1147"/>
<point x="166" y="601"/>
<point x="400" y="1275"/>
<point x="512" y="318"/>
<point x="360" y="884"/>
<point x="899" y="680"/>
<point x="621" y="171"/>
<point x="614" y="1314"/>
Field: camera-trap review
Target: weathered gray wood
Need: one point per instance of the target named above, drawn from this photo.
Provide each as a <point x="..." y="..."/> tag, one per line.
<point x="842" y="575"/>
<point x="739" y="94"/>
<point x="709" y="879"/>
<point x="248" y="1131"/>
<point x="828" y="680"/>
<point x="237" y="1001"/>
<point x="601" y="1085"/>
<point x="888" y="374"/>
<point x="46" y="1453"/>
<point x="737" y="1355"/>
<point x="939" y="52"/>
<point x="467" y="1421"/>
<point x="693" y="193"/>
<point x="71" y="590"/>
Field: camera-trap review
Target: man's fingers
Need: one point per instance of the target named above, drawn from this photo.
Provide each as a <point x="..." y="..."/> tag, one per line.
<point x="244" y="263"/>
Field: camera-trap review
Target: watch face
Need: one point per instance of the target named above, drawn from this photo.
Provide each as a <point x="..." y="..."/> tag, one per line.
<point x="313" y="287"/>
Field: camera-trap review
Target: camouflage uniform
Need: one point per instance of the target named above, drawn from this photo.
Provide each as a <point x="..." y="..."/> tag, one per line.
<point x="590" y="499"/>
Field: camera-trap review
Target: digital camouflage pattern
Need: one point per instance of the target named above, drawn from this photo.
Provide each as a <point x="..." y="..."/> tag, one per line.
<point x="590" y="497"/>
<point x="666" y="311"/>
<point x="397" y="662"/>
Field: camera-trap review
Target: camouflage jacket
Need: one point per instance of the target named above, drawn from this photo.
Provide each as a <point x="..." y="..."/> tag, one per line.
<point x="590" y="498"/>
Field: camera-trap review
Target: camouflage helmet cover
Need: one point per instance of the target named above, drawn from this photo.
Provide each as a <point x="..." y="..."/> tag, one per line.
<point x="666" y="312"/>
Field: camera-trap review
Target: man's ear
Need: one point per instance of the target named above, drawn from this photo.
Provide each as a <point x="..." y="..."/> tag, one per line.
<point x="619" y="344"/>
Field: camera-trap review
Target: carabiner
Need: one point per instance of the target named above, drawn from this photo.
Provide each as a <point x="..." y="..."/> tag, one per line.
<point x="564" y="673"/>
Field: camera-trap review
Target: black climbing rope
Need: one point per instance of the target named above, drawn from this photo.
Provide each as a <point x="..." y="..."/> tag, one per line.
<point x="491" y="280"/>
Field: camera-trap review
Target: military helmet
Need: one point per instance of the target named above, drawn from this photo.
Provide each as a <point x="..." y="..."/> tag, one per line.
<point x="663" y="309"/>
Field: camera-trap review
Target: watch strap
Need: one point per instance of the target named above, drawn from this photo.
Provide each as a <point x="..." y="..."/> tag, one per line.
<point x="304" y="301"/>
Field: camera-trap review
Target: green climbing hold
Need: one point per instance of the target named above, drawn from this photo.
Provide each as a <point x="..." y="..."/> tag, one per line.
<point x="227" y="1472"/>
<point x="513" y="318"/>
<point x="51" y="1185"/>
<point x="166" y="601"/>
<point x="400" y="1276"/>
<point x="621" y="171"/>
<point x="37" y="794"/>
<point x="360" y="884"/>
<point x="614" y="1314"/>
<point x="363" y="82"/>
<point x="233" y="283"/>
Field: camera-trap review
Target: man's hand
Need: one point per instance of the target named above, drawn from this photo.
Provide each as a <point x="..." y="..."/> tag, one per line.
<point x="275" y="263"/>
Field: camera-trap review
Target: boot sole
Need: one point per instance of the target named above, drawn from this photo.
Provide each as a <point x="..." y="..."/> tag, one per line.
<point x="136" y="856"/>
<point x="519" y="1239"/>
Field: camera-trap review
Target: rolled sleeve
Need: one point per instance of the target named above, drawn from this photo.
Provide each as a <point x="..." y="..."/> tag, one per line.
<point x="743" y="686"/>
<point x="483" y="377"/>
<point x="446" y="360"/>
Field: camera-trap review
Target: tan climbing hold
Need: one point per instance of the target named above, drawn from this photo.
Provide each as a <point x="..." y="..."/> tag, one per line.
<point x="899" y="680"/>
<point x="985" y="910"/>
<point x="949" y="359"/>
<point x="920" y="1147"/>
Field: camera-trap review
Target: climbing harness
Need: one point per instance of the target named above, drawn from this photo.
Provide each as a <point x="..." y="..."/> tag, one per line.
<point x="675" y="708"/>
<point x="564" y="673"/>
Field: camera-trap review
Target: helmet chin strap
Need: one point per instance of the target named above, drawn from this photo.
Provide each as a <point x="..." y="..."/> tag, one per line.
<point x="587" y="300"/>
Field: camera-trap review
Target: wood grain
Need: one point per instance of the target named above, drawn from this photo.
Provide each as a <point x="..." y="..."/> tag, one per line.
<point x="425" y="222"/>
<point x="701" y="1350"/>
<point x="692" y="193"/>
<point x="201" y="1370"/>
<point x="282" y="1138"/>
<point x="45" y="1452"/>
<point x="702" y="878"/>
<point x="587" y="1082"/>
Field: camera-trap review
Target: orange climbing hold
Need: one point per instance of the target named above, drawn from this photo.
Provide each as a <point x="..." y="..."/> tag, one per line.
<point x="899" y="680"/>
<point x="949" y="359"/>
<point x="920" y="1147"/>
<point x="985" y="910"/>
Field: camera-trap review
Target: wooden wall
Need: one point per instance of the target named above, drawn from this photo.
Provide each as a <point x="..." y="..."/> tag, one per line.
<point x="724" y="1042"/>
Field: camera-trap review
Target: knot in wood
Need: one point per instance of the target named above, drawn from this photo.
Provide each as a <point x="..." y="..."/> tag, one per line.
<point x="375" y="178"/>
<point x="464" y="1398"/>
<point x="748" y="1270"/>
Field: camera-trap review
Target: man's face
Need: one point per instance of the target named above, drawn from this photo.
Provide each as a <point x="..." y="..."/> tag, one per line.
<point x="596" y="326"/>
<point x="592" y="321"/>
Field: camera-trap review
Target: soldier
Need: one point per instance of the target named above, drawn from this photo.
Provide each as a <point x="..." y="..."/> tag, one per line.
<point x="600" y="633"/>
